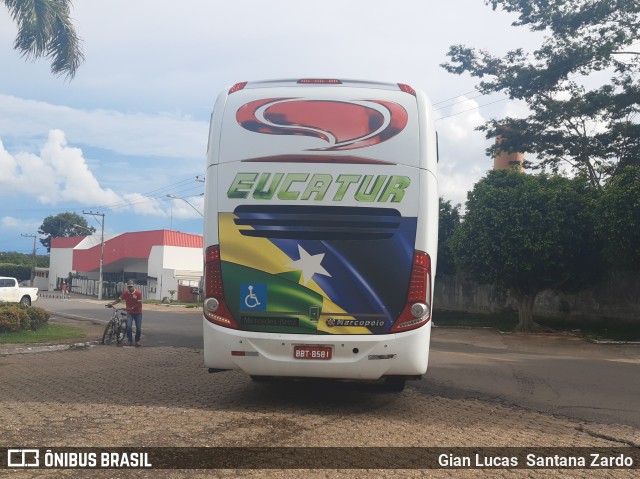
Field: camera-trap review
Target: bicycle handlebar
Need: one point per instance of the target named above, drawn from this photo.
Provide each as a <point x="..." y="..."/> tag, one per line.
<point x="113" y="307"/>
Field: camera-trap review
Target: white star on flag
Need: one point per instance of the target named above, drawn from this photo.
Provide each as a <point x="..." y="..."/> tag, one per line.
<point x="309" y="265"/>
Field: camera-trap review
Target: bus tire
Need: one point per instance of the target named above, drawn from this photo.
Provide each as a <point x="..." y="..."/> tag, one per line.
<point x="394" y="383"/>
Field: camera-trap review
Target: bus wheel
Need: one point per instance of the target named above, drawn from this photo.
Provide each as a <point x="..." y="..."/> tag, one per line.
<point x="394" y="383"/>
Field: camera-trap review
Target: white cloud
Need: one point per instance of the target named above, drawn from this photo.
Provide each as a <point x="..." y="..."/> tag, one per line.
<point x="144" y="205"/>
<point x="59" y="173"/>
<point x="162" y="135"/>
<point x="10" y="223"/>
<point x="463" y="160"/>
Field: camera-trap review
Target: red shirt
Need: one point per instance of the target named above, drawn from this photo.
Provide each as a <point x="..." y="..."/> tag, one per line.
<point x="132" y="299"/>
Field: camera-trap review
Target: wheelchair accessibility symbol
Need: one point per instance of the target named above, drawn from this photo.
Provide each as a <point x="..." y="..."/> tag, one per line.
<point x="251" y="300"/>
<point x="253" y="296"/>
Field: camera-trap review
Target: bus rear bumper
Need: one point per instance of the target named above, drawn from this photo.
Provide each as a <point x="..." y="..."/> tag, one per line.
<point x="352" y="357"/>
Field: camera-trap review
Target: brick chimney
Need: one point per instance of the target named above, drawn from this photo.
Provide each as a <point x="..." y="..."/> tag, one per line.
<point x="505" y="160"/>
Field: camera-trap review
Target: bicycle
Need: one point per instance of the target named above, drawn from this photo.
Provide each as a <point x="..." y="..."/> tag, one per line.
<point x="116" y="328"/>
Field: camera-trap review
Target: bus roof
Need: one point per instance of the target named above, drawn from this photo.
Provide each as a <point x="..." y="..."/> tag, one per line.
<point x="327" y="82"/>
<point x="376" y="121"/>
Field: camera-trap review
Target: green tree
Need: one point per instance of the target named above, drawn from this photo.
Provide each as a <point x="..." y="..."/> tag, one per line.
<point x="619" y="220"/>
<point x="63" y="225"/>
<point x="24" y="259"/>
<point x="595" y="131"/>
<point x="45" y="29"/>
<point x="528" y="234"/>
<point x="448" y="222"/>
<point x="19" y="271"/>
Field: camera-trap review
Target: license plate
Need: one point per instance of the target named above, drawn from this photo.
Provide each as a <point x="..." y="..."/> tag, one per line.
<point x="312" y="352"/>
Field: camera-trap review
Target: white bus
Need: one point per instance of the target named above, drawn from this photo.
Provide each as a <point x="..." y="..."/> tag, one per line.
<point x="321" y="230"/>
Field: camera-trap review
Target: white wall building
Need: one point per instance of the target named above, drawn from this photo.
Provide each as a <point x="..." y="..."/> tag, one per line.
<point x="160" y="261"/>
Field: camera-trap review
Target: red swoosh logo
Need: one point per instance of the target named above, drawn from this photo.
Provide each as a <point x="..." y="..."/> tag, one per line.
<point x="344" y="125"/>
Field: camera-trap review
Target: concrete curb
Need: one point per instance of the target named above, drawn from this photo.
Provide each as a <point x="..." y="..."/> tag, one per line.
<point x="46" y="348"/>
<point x="41" y="348"/>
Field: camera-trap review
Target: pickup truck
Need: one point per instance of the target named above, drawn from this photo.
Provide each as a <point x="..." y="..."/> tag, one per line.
<point x="12" y="292"/>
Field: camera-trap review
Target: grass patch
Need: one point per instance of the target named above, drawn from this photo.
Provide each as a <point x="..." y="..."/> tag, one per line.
<point x="504" y="322"/>
<point x="173" y="303"/>
<point x="47" y="333"/>
<point x="603" y="329"/>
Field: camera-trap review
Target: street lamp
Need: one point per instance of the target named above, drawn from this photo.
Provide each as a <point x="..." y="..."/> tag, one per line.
<point x="185" y="200"/>
<point x="94" y="214"/>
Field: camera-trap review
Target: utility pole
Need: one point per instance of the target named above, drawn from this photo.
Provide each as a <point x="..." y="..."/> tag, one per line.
<point x="33" y="270"/>
<point x="95" y="215"/>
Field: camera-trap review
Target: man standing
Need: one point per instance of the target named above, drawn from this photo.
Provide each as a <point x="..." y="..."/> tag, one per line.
<point x="133" y="299"/>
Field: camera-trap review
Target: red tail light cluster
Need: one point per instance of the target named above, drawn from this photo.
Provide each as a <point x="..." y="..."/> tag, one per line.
<point x="237" y="87"/>
<point x="417" y="309"/>
<point x="215" y="308"/>
<point x="407" y="89"/>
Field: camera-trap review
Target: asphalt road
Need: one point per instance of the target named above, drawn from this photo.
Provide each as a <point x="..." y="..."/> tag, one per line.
<point x="161" y="326"/>
<point x="553" y="374"/>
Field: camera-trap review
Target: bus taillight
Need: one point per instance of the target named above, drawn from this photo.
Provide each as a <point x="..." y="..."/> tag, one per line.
<point x="407" y="89"/>
<point x="237" y="87"/>
<point x="214" y="306"/>
<point x="417" y="309"/>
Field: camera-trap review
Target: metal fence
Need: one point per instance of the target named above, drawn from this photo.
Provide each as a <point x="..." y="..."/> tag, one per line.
<point x="89" y="287"/>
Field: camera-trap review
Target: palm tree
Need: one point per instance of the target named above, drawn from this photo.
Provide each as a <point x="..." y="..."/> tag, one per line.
<point x="45" y="30"/>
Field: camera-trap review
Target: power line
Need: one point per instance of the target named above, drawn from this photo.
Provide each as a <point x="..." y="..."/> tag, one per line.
<point x="150" y="195"/>
<point x="505" y="99"/>
<point x="471" y="109"/>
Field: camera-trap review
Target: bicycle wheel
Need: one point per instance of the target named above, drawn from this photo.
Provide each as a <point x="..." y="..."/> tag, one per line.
<point x="109" y="333"/>
<point x="121" y="334"/>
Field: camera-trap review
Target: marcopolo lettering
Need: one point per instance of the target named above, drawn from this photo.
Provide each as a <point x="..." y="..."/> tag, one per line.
<point x="318" y="187"/>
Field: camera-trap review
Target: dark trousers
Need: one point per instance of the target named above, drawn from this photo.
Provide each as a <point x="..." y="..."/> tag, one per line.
<point x="131" y="317"/>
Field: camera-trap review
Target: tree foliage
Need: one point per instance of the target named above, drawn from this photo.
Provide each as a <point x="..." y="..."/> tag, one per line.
<point x="45" y="29"/>
<point x="619" y="220"/>
<point x="23" y="259"/>
<point x="527" y="234"/>
<point x="448" y="222"/>
<point x="63" y="225"/>
<point x="21" y="272"/>
<point x="15" y="317"/>
<point x="593" y="129"/>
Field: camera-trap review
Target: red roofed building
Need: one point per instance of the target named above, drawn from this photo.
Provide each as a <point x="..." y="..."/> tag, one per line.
<point x="158" y="261"/>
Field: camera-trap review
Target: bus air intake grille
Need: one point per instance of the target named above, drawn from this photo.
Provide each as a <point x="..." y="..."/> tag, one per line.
<point x="317" y="222"/>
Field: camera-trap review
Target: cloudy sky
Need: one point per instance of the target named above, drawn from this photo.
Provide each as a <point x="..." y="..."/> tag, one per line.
<point x="132" y="126"/>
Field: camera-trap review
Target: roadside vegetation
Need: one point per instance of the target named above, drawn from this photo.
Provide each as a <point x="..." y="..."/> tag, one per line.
<point x="606" y="329"/>
<point x="27" y="325"/>
<point x="49" y="333"/>
<point x="577" y="219"/>
<point x="173" y="303"/>
<point x="15" y="317"/>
